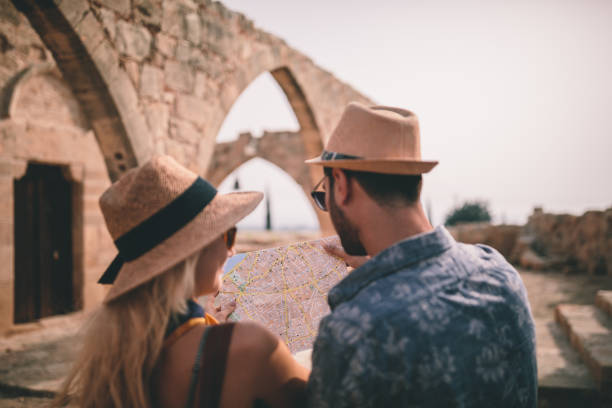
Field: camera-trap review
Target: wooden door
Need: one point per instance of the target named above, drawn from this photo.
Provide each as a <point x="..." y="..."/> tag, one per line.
<point x="43" y="244"/>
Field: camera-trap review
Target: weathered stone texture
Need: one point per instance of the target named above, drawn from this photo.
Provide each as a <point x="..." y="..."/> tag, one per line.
<point x="501" y="237"/>
<point x="149" y="12"/>
<point x="109" y="22"/>
<point x="179" y="76"/>
<point x="580" y="244"/>
<point x="184" y="132"/>
<point x="133" y="41"/>
<point x="45" y="125"/>
<point x="192" y="108"/>
<point x="121" y="6"/>
<point x="165" y="44"/>
<point x="158" y="116"/>
<point x="149" y="76"/>
<point x="151" y="82"/>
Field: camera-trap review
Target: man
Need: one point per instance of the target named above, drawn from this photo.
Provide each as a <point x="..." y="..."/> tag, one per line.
<point x="426" y="321"/>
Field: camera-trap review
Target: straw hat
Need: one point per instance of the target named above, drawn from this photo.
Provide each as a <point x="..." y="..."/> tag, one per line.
<point x="161" y="213"/>
<point x="376" y="139"/>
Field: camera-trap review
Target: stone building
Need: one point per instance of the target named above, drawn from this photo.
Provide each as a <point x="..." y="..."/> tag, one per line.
<point x="89" y="89"/>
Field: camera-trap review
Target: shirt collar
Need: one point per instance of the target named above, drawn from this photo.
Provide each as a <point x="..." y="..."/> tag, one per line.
<point x="399" y="255"/>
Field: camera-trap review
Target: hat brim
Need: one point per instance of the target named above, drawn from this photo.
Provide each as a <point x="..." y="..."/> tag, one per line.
<point x="222" y="213"/>
<point x="384" y="166"/>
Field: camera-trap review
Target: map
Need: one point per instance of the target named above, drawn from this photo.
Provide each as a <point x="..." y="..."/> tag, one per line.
<point x="285" y="288"/>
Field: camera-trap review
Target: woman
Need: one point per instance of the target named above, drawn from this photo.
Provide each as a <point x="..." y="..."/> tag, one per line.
<point x="150" y="344"/>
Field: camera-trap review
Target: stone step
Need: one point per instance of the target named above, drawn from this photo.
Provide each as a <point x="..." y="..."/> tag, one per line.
<point x="603" y="300"/>
<point x="590" y="332"/>
<point x="563" y="379"/>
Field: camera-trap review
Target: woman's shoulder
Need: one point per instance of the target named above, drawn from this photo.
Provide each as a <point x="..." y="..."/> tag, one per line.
<point x="253" y="339"/>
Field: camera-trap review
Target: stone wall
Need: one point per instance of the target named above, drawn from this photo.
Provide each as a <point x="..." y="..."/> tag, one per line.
<point x="44" y="124"/>
<point x="573" y="244"/>
<point x="556" y="242"/>
<point x="501" y="237"/>
<point x="160" y="76"/>
<point x="98" y="86"/>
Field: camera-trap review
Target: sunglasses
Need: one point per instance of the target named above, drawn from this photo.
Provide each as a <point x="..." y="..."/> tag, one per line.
<point x="319" y="196"/>
<point x="230" y="237"/>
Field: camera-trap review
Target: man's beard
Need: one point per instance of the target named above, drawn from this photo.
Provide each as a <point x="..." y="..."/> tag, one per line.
<point x="347" y="231"/>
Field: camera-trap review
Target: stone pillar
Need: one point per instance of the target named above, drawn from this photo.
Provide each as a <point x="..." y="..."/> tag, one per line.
<point x="10" y="169"/>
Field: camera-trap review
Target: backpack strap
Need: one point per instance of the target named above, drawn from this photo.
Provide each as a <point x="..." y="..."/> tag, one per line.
<point x="195" y="371"/>
<point x="214" y="360"/>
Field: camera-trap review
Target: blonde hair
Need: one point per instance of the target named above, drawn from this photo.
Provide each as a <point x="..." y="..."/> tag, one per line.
<point x="123" y="340"/>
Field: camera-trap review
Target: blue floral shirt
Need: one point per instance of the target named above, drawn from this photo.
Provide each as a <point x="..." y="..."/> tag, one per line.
<point x="428" y="322"/>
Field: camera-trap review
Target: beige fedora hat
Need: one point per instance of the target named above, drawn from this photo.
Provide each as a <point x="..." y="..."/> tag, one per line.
<point x="161" y="213"/>
<point x="377" y="139"/>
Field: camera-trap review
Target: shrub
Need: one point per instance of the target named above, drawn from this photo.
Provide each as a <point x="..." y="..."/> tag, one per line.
<point x="471" y="211"/>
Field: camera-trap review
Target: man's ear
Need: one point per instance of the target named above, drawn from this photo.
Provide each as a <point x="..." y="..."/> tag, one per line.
<point x="342" y="187"/>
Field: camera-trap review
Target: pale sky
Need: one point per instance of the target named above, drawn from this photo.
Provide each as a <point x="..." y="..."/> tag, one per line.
<point x="514" y="98"/>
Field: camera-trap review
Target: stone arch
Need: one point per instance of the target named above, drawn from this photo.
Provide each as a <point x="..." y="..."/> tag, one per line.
<point x="272" y="190"/>
<point x="283" y="149"/>
<point x="160" y="76"/>
<point x="267" y="62"/>
<point x="76" y="40"/>
<point x="301" y="145"/>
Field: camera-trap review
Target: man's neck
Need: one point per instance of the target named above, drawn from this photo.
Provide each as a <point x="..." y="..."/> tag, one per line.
<point x="386" y="226"/>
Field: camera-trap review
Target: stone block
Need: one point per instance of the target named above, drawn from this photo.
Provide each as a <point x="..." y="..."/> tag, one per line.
<point x="206" y="63"/>
<point x="109" y="22"/>
<point x="173" y="19"/>
<point x="177" y="150"/>
<point x="184" y="132"/>
<point x="590" y="333"/>
<point x="6" y="306"/>
<point x="193" y="28"/>
<point x="200" y="87"/>
<point x="133" y="41"/>
<point x="90" y="31"/>
<point x="157" y="115"/>
<point x="7" y="253"/>
<point x="217" y="37"/>
<point x="165" y="44"/>
<point x="192" y="108"/>
<point x="90" y="239"/>
<point x="107" y="61"/>
<point x="6" y="198"/>
<point x="133" y="71"/>
<point x="148" y="12"/>
<point x="183" y="51"/>
<point x="179" y="76"/>
<point x="151" y="82"/>
<point x="121" y="6"/>
<point x="169" y="98"/>
<point x="74" y="11"/>
<point x="7" y="232"/>
<point x="603" y="300"/>
<point x="8" y="136"/>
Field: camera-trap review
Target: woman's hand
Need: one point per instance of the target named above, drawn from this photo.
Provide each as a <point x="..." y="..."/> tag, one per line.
<point x="221" y="313"/>
<point x="354" y="261"/>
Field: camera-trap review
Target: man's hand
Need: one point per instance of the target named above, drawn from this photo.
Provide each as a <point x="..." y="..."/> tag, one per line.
<point x="221" y="313"/>
<point x="353" y="261"/>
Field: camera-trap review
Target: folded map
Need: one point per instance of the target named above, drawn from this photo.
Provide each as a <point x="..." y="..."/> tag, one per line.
<point x="284" y="289"/>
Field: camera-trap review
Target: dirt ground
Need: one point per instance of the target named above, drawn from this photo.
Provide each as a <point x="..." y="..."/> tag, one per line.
<point x="36" y="359"/>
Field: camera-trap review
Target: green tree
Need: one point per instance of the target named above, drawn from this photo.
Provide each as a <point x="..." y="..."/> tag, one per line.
<point x="470" y="211"/>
